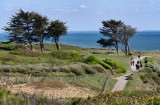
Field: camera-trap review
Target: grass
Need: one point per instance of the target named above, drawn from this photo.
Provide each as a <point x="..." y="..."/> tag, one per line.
<point x="48" y="84"/>
<point x="121" y="59"/>
<point x="121" y="98"/>
<point x="95" y="82"/>
<point x="45" y="69"/>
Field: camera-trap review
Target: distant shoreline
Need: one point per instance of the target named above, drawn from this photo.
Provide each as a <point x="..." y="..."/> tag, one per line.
<point x="143" y="41"/>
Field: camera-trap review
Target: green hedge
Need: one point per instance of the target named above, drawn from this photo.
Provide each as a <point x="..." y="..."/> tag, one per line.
<point x="95" y="60"/>
<point x="115" y="65"/>
<point x="148" y="59"/>
<point x="67" y="55"/>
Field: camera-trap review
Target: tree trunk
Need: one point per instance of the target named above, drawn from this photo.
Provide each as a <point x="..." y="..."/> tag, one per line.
<point x="31" y="46"/>
<point x="128" y="48"/>
<point x="116" y="45"/>
<point x="57" y="44"/>
<point x="126" y="51"/>
<point x="41" y="43"/>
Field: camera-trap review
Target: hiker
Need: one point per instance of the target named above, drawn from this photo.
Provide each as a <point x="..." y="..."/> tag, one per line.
<point x="133" y="62"/>
<point x="137" y="66"/>
<point x="140" y="64"/>
<point x="139" y="56"/>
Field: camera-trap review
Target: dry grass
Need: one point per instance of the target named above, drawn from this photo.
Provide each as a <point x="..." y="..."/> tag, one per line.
<point x="48" y="84"/>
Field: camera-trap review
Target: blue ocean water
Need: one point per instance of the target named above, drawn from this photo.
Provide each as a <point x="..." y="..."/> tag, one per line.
<point x="143" y="41"/>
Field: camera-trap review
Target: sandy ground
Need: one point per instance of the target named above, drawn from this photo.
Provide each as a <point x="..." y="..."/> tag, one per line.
<point x="67" y="92"/>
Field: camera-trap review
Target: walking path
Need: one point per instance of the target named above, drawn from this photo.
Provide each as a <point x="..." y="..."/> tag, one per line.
<point x="122" y="80"/>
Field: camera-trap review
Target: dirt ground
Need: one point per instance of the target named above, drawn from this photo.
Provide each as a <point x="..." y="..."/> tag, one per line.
<point x="60" y="91"/>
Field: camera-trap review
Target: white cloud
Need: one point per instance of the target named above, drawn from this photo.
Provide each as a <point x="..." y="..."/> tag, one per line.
<point x="9" y="7"/>
<point x="99" y="13"/>
<point x="152" y="2"/>
<point x="66" y="10"/>
<point x="83" y="6"/>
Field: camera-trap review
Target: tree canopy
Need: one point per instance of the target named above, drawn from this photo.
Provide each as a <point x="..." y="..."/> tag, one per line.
<point x="55" y="30"/>
<point x="111" y="29"/>
<point x="117" y="32"/>
<point x="29" y="27"/>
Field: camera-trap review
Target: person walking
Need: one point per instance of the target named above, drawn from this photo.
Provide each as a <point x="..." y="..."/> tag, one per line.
<point x="140" y="64"/>
<point x="139" y="57"/>
<point x="133" y="62"/>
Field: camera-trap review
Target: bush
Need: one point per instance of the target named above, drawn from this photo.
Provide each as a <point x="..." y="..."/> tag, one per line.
<point x="95" y="60"/>
<point x="88" y="69"/>
<point x="148" y="59"/>
<point x="76" y="71"/>
<point x="67" y="55"/>
<point x="99" y="68"/>
<point x="106" y="66"/>
<point x="25" y="52"/>
<point x="158" y="73"/>
<point x="92" y="60"/>
<point x="121" y="98"/>
<point x="115" y="65"/>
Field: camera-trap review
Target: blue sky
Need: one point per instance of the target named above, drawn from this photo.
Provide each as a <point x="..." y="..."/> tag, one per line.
<point x="86" y="15"/>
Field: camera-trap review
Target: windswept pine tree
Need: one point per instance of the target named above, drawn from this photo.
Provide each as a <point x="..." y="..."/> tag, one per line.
<point x="20" y="27"/>
<point x="55" y="30"/>
<point x="111" y="30"/>
<point x="127" y="33"/>
<point x="117" y="32"/>
<point x="27" y="27"/>
<point x="40" y="26"/>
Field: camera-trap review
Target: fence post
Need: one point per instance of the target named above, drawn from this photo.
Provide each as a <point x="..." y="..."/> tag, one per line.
<point x="105" y="84"/>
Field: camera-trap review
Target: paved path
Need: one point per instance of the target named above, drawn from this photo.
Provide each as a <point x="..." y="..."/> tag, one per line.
<point x="122" y="80"/>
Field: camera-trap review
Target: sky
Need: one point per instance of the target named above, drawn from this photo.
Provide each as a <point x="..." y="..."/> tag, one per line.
<point x="86" y="15"/>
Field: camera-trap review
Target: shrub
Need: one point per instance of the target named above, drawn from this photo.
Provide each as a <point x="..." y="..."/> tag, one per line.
<point x="106" y="66"/>
<point x="144" y="77"/>
<point x="88" y="69"/>
<point x="95" y="60"/>
<point x="99" y="68"/>
<point x="11" y="58"/>
<point x="24" y="51"/>
<point x="92" y="60"/>
<point x="76" y="71"/>
<point x="148" y="59"/>
<point x="158" y="73"/>
<point x="115" y="65"/>
<point x="67" y="55"/>
<point x="121" y="70"/>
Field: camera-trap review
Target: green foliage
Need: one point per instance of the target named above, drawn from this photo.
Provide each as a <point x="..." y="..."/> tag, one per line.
<point x="46" y="69"/>
<point x="55" y="30"/>
<point x="115" y="65"/>
<point x="121" y="98"/>
<point x="148" y="59"/>
<point x="158" y="73"/>
<point x="67" y="55"/>
<point x="92" y="60"/>
<point x="25" y="52"/>
<point x="105" y="65"/>
<point x="7" y="98"/>
<point x="95" y="60"/>
<point x="144" y="76"/>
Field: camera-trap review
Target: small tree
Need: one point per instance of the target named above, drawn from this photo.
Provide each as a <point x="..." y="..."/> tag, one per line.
<point x="111" y="29"/>
<point x="127" y="32"/>
<point x="20" y="27"/>
<point x="40" y="27"/>
<point x="55" y="30"/>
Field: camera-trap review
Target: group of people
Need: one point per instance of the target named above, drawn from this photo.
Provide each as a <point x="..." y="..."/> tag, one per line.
<point x="138" y="63"/>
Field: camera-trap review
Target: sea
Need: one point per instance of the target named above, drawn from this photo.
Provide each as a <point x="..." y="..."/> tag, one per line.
<point x="142" y="41"/>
